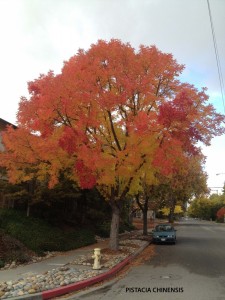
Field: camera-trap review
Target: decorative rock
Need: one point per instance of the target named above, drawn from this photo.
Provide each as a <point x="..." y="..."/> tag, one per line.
<point x="64" y="275"/>
<point x="34" y="287"/>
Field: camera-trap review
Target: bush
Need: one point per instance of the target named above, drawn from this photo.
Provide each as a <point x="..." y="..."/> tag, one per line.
<point x="39" y="236"/>
<point x="17" y="256"/>
<point x="104" y="229"/>
<point x="2" y="264"/>
<point x="220" y="221"/>
<point x="126" y="226"/>
<point x="220" y="214"/>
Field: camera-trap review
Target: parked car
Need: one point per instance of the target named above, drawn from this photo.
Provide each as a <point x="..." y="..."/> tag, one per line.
<point x="164" y="233"/>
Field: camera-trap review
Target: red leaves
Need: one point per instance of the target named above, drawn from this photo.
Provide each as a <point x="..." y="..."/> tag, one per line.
<point x="86" y="178"/>
<point x="187" y="119"/>
<point x="141" y="122"/>
<point x="168" y="157"/>
<point x="221" y="213"/>
<point x="68" y="140"/>
<point x="114" y="112"/>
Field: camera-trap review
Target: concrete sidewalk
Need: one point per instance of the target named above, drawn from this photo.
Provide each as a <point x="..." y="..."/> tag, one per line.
<point x="49" y="263"/>
<point x="14" y="277"/>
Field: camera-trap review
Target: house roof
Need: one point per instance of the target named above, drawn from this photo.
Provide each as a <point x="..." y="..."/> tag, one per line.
<point x="6" y="123"/>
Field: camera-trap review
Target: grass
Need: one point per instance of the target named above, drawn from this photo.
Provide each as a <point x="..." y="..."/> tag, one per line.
<point x="39" y="236"/>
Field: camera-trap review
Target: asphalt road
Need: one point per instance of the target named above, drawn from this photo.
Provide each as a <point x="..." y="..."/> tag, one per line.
<point x="193" y="269"/>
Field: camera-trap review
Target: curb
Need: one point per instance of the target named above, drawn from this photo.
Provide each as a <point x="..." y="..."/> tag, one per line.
<point x="82" y="284"/>
<point x="88" y="282"/>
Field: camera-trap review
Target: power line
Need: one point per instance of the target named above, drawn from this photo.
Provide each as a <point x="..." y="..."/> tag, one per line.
<point x="217" y="56"/>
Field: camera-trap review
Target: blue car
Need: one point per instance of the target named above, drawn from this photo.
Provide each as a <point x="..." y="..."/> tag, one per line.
<point x="164" y="233"/>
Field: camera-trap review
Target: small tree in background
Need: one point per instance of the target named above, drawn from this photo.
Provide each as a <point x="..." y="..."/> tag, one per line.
<point x="221" y="214"/>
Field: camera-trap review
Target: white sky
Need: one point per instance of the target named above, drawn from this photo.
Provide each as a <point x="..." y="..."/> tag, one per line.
<point x="38" y="35"/>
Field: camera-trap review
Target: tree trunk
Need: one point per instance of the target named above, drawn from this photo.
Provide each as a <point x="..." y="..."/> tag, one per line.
<point x="145" y="216"/>
<point x="131" y="216"/>
<point x="171" y="215"/>
<point x="145" y="221"/>
<point x="31" y="189"/>
<point x="28" y="210"/>
<point x="114" y="230"/>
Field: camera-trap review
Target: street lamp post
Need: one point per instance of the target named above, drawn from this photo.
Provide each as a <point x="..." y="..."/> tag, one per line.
<point x="221" y="174"/>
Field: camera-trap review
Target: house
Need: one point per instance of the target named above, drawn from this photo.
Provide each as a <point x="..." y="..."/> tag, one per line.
<point x="3" y="177"/>
<point x="3" y="126"/>
<point x="150" y="214"/>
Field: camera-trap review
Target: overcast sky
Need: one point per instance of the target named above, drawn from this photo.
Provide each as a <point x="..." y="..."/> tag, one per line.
<point x="38" y="35"/>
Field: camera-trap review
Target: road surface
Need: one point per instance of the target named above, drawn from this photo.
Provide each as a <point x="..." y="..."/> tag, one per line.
<point x="193" y="269"/>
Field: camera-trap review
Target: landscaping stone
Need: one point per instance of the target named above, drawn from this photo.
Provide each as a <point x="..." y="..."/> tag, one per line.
<point x="68" y="273"/>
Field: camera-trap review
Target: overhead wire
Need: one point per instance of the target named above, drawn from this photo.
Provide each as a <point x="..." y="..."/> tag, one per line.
<point x="217" y="56"/>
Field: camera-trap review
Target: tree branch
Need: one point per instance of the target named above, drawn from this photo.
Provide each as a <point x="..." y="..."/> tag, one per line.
<point x="113" y="130"/>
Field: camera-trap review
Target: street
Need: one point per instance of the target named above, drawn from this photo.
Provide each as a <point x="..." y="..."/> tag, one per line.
<point x="193" y="269"/>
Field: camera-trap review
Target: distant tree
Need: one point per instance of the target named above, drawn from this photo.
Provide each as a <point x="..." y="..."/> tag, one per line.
<point x="216" y="201"/>
<point x="178" y="210"/>
<point x="223" y="189"/>
<point x="187" y="181"/>
<point x="13" y="194"/>
<point x="206" y="207"/>
<point x="200" y="208"/>
<point x="220" y="214"/>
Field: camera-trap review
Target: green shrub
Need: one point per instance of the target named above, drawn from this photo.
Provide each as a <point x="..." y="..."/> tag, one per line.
<point x="221" y="220"/>
<point x="18" y="256"/>
<point x="39" y="236"/>
<point x="126" y="226"/>
<point x="103" y="229"/>
<point x="2" y="264"/>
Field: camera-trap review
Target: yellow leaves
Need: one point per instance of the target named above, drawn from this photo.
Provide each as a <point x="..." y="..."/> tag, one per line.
<point x="28" y="156"/>
<point x="149" y="176"/>
<point x="178" y="209"/>
<point x="166" y="211"/>
<point x="17" y="175"/>
<point x="136" y="186"/>
<point x="106" y="179"/>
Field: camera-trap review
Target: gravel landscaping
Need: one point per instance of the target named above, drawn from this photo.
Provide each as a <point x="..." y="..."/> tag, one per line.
<point x="77" y="270"/>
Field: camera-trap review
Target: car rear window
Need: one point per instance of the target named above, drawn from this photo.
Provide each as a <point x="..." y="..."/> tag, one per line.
<point x="164" y="228"/>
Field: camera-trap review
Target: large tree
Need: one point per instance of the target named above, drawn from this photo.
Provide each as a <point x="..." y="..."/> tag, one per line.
<point x="111" y="113"/>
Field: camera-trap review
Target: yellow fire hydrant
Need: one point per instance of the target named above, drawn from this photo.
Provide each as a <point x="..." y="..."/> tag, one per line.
<point x="97" y="257"/>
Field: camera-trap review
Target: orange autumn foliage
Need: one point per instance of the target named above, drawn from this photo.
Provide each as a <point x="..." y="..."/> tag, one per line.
<point x="220" y="213"/>
<point x="110" y="114"/>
